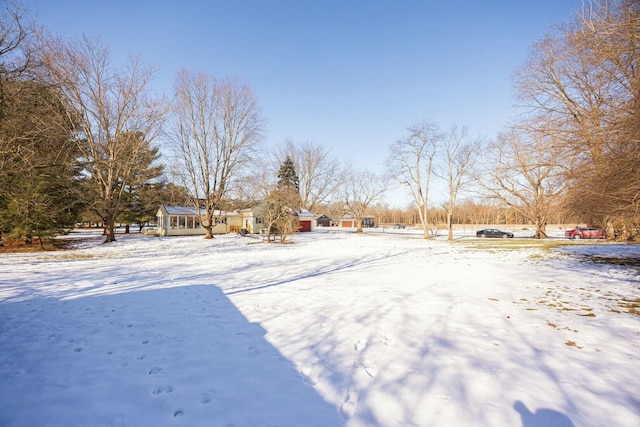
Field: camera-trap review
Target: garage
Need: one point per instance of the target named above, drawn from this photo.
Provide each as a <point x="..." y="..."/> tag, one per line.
<point x="305" y="221"/>
<point x="305" y="226"/>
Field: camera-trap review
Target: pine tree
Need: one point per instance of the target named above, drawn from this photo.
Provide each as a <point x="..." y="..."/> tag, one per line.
<point x="287" y="176"/>
<point x="284" y="201"/>
<point x="40" y="180"/>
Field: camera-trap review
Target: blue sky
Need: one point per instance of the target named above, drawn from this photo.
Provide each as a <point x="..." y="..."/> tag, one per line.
<point x="350" y="75"/>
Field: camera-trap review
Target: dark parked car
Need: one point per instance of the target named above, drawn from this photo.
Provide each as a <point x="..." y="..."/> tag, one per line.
<point x="493" y="232"/>
<point x="585" y="233"/>
<point x="398" y="226"/>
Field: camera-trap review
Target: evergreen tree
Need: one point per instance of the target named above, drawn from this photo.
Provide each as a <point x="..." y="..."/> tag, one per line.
<point x="40" y="182"/>
<point x="287" y="176"/>
<point x="284" y="201"/>
<point x="142" y="197"/>
<point x="288" y="187"/>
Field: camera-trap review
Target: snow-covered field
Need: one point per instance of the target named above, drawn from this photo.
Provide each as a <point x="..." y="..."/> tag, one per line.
<point x="334" y="329"/>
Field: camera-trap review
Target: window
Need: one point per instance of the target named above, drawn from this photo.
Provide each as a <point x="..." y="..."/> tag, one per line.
<point x="174" y="221"/>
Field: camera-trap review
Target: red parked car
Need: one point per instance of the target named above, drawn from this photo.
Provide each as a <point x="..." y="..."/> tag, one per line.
<point x="585" y="233"/>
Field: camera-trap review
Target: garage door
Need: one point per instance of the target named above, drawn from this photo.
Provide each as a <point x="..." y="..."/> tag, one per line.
<point x="305" y="226"/>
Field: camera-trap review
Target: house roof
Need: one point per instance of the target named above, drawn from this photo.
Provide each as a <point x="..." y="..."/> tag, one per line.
<point x="181" y="210"/>
<point x="304" y="213"/>
<point x="190" y="210"/>
<point x="348" y="217"/>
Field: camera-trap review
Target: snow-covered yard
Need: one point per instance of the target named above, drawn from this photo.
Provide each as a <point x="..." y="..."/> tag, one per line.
<point x="334" y="329"/>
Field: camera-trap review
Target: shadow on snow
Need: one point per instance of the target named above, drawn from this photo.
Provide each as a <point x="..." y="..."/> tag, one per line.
<point x="147" y="358"/>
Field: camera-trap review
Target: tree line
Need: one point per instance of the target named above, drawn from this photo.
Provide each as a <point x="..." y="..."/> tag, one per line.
<point x="80" y="140"/>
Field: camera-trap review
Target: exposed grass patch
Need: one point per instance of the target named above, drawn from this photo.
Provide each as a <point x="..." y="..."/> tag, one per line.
<point x="611" y="260"/>
<point x="631" y="306"/>
<point x="70" y="257"/>
<point x="513" y="244"/>
<point x="573" y="344"/>
<point x="47" y="245"/>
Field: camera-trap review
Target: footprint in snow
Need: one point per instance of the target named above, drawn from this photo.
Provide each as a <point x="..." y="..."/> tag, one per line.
<point x="212" y="395"/>
<point x="360" y="344"/>
<point x="368" y="366"/>
<point x="388" y="341"/>
<point x="350" y="404"/>
<point x="155" y="370"/>
<point x="206" y="399"/>
<point x="160" y="390"/>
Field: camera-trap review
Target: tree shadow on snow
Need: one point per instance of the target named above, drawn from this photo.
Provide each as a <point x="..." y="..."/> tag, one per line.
<point x="542" y="417"/>
<point x="177" y="356"/>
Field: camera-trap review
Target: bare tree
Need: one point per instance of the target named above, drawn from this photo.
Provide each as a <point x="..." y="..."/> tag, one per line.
<point x="15" y="60"/>
<point x="216" y="125"/>
<point x="16" y="49"/>
<point x="284" y="202"/>
<point x="115" y="120"/>
<point x="459" y="157"/>
<point x="359" y="192"/>
<point x="320" y="173"/>
<point x="281" y="219"/>
<point x="582" y="85"/>
<point x="524" y="172"/>
<point x="411" y="162"/>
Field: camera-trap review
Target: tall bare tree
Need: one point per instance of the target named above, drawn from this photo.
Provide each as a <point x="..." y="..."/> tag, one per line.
<point x="320" y="173"/>
<point x="217" y="124"/>
<point x="16" y="49"/>
<point x="581" y="84"/>
<point x="459" y="155"/>
<point x="524" y="172"/>
<point x="411" y="162"/>
<point x="15" y="60"/>
<point x="115" y="119"/>
<point x="359" y="192"/>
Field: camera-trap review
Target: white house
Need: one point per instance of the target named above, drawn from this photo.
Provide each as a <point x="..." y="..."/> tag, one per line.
<point x="187" y="220"/>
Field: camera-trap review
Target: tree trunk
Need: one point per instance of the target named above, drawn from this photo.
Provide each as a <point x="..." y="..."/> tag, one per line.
<point x="110" y="232"/>
<point x="541" y="228"/>
<point x="425" y="222"/>
<point x="208" y="232"/>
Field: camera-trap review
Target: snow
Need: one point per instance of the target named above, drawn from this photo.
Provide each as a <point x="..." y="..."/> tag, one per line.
<point x="335" y="329"/>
